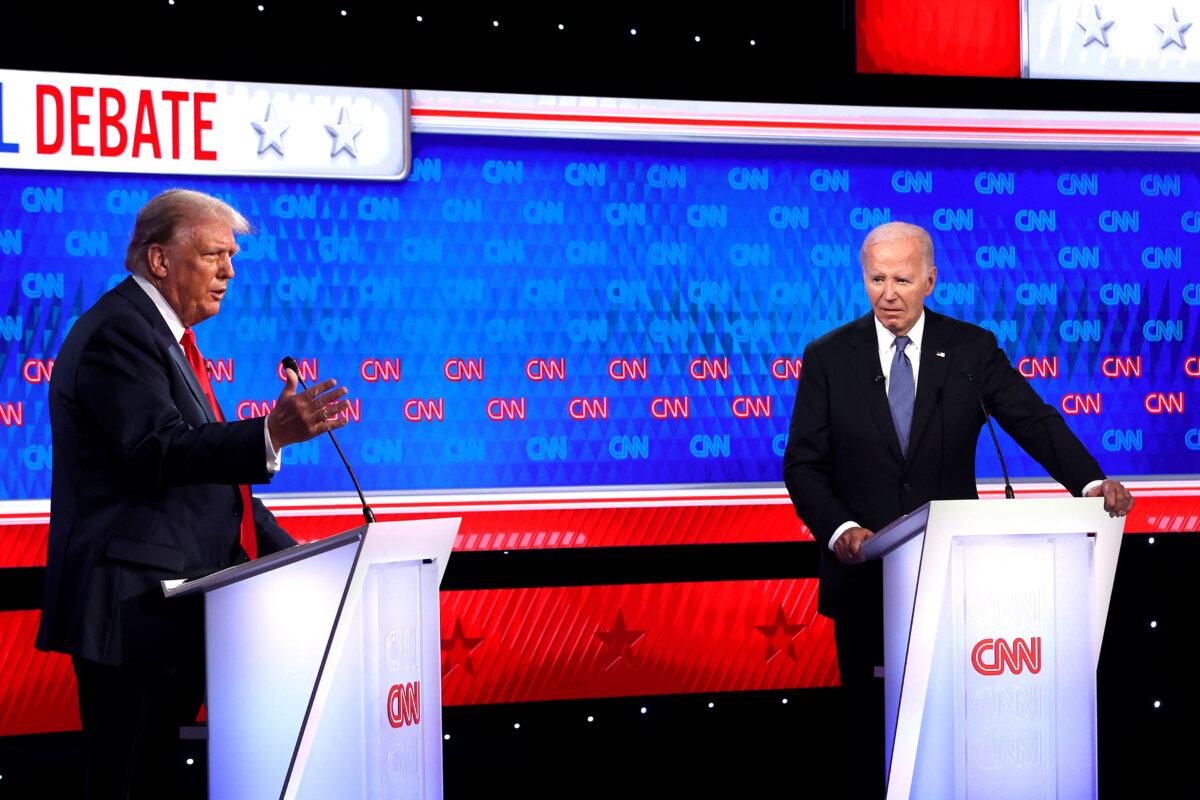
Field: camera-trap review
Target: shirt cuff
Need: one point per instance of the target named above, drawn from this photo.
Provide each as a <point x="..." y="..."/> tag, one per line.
<point x="845" y="526"/>
<point x="1091" y="486"/>
<point x="272" y="453"/>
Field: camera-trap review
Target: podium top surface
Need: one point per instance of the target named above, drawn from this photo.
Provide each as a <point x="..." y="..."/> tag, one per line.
<point x="216" y="580"/>
<point x="1034" y="516"/>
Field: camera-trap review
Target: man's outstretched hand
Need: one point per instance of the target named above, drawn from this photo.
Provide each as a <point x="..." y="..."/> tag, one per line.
<point x="300" y="416"/>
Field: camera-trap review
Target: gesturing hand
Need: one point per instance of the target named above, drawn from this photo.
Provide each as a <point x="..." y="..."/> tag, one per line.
<point x="298" y="417"/>
<point x="848" y="547"/>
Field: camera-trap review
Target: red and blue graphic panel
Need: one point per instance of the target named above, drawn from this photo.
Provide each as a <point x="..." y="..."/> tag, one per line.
<point x="529" y="312"/>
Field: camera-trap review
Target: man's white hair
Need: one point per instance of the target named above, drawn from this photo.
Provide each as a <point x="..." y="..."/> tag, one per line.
<point x="164" y="213"/>
<point x="899" y="232"/>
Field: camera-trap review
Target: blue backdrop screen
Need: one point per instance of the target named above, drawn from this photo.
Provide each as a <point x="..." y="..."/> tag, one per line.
<point x="533" y="312"/>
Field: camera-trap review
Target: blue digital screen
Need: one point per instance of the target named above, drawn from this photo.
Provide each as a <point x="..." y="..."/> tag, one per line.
<point x="530" y="312"/>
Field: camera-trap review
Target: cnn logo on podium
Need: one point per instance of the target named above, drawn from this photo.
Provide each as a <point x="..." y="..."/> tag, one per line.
<point x="995" y="656"/>
<point x="404" y="704"/>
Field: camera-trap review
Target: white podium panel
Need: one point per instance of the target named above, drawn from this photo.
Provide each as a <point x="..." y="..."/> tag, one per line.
<point x="281" y="618"/>
<point x="378" y="733"/>
<point x="1024" y="687"/>
<point x="993" y="617"/>
<point x="324" y="667"/>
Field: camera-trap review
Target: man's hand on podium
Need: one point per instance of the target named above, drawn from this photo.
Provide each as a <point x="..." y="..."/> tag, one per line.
<point x="848" y="547"/>
<point x="1117" y="499"/>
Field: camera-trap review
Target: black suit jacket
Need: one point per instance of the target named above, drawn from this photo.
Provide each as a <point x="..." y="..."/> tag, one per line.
<point x="843" y="459"/>
<point x="144" y="487"/>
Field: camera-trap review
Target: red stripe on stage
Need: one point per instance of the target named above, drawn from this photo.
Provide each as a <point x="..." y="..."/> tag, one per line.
<point x="37" y="690"/>
<point x="466" y="502"/>
<point x="521" y="645"/>
<point x="630" y="526"/>
<point x="24" y="545"/>
<point x="556" y="643"/>
<point x="537" y="636"/>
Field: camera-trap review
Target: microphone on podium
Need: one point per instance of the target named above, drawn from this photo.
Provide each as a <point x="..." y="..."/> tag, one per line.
<point x="1008" y="490"/>
<point x="290" y="363"/>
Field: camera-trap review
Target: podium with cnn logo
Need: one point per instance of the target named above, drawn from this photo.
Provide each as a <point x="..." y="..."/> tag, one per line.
<point x="994" y="613"/>
<point x="324" y="666"/>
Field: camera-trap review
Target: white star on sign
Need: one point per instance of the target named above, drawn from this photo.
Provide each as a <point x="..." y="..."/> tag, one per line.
<point x="1172" y="31"/>
<point x="270" y="132"/>
<point x="1095" y="30"/>
<point x="344" y="134"/>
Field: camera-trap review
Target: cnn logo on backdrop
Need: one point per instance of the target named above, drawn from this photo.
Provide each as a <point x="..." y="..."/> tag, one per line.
<point x="995" y="656"/>
<point x="404" y="704"/>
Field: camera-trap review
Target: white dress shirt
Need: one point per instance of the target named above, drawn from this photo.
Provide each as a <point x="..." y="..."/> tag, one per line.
<point x="177" y="329"/>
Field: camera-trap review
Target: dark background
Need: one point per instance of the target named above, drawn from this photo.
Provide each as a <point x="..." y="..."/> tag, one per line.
<point x="804" y="54"/>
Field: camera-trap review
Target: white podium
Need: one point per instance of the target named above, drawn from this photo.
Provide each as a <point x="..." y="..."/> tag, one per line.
<point x="324" y="667"/>
<point x="994" y="613"/>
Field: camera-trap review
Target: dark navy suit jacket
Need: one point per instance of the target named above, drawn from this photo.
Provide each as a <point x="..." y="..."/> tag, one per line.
<point x="843" y="459"/>
<point x="145" y="487"/>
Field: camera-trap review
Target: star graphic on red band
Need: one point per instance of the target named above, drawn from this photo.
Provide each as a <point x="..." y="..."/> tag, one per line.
<point x="619" y="642"/>
<point x="780" y="636"/>
<point x="456" y="651"/>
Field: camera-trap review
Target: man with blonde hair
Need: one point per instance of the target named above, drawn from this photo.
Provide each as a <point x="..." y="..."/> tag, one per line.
<point x="886" y="419"/>
<point x="150" y="481"/>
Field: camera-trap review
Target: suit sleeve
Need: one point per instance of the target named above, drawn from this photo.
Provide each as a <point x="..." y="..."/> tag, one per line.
<point x="1034" y="424"/>
<point x="122" y="381"/>
<point x="808" y="461"/>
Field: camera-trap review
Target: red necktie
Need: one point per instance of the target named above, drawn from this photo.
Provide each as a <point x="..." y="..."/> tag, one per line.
<point x="249" y="538"/>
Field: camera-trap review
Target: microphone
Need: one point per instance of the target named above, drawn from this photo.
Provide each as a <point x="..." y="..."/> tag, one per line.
<point x="290" y="363"/>
<point x="879" y="379"/>
<point x="1008" y="490"/>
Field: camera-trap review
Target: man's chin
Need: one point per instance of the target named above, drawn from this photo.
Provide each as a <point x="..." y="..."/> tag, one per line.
<point x="894" y="322"/>
<point x="208" y="310"/>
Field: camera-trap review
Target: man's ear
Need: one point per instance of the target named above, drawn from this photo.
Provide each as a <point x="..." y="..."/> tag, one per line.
<point x="156" y="260"/>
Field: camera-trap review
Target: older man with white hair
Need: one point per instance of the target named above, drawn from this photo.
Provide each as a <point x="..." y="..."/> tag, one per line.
<point x="886" y="419"/>
<point x="150" y="481"/>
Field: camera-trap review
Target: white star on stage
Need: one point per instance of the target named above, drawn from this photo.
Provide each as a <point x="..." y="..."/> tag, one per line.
<point x="270" y="132"/>
<point x="1172" y="31"/>
<point x="1095" y="30"/>
<point x="344" y="134"/>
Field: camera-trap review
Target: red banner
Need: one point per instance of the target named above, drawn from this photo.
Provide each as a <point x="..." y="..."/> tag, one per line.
<point x="557" y="643"/>
<point x="1157" y="510"/>
<point x="981" y="38"/>
<point x="37" y="690"/>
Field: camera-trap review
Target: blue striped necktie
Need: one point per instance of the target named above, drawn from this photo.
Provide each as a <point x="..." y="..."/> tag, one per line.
<point x="901" y="391"/>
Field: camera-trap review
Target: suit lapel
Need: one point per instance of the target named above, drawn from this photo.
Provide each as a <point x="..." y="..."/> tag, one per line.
<point x="934" y="369"/>
<point x="189" y="377"/>
<point x="865" y="363"/>
<point x="145" y="306"/>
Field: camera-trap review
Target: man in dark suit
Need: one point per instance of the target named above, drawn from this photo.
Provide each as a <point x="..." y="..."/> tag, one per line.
<point x="150" y="482"/>
<point x="887" y="418"/>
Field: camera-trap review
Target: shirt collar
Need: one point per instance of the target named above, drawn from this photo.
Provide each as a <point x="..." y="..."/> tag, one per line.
<point x="168" y="314"/>
<point x="886" y="338"/>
